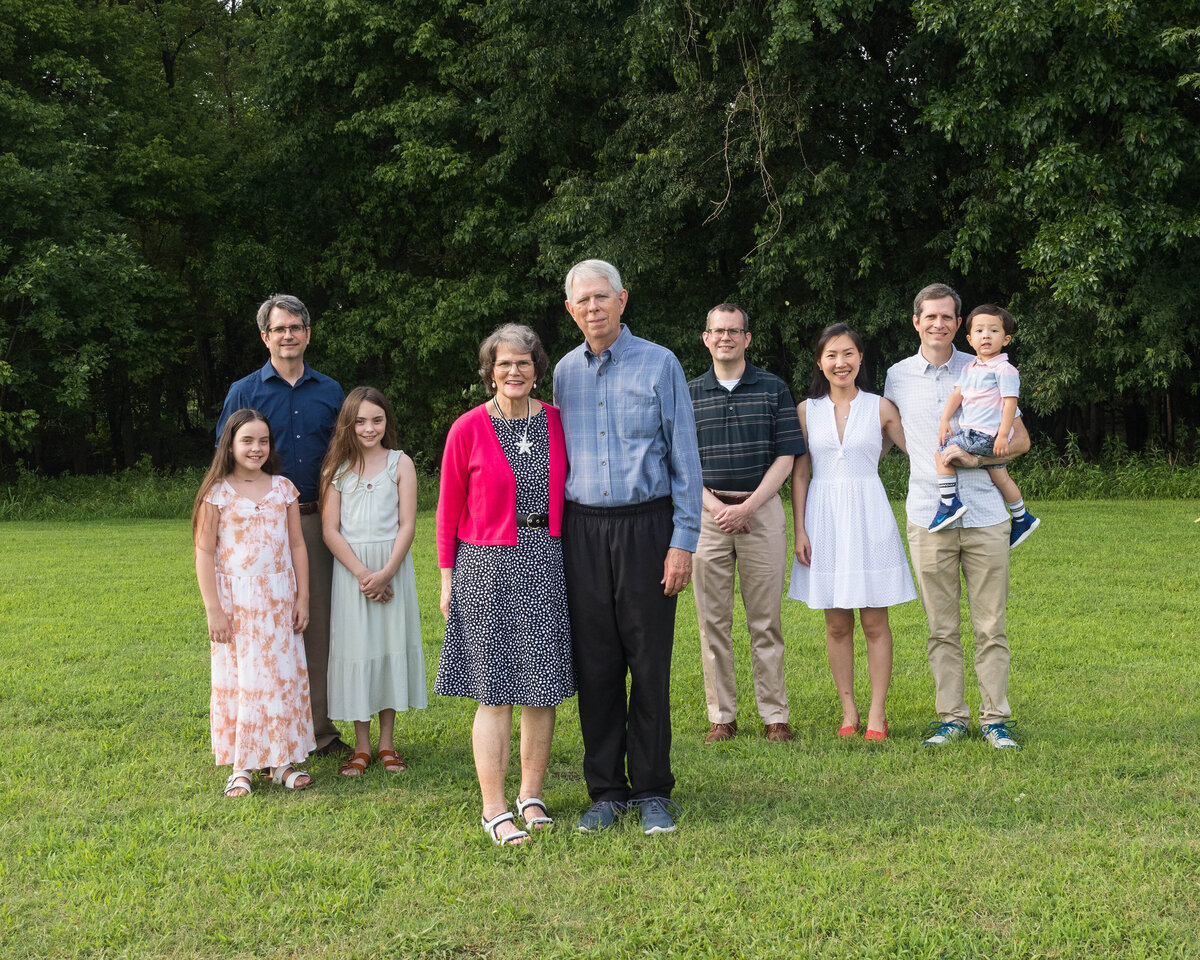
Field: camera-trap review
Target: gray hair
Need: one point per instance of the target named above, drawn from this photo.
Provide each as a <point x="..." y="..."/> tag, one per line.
<point x="283" y="301"/>
<point x="521" y="339"/>
<point x="728" y="308"/>
<point x="593" y="268"/>
<point x="937" y="291"/>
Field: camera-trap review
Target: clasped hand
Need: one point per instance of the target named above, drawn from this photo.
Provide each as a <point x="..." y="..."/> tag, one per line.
<point x="734" y="518"/>
<point x="376" y="585"/>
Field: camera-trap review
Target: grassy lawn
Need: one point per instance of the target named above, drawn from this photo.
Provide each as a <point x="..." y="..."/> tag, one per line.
<point x="116" y="842"/>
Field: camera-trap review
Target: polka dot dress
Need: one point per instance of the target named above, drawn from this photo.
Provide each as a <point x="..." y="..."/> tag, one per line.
<point x="508" y="636"/>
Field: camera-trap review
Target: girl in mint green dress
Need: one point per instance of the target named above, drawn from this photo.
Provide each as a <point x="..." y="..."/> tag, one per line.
<point x="368" y="518"/>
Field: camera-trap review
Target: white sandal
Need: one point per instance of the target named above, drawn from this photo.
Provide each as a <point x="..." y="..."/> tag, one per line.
<point x="238" y="780"/>
<point x="287" y="775"/>
<point x="534" y="823"/>
<point x="491" y="826"/>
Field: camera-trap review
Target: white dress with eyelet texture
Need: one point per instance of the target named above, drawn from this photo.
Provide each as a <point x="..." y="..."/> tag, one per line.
<point x="858" y="558"/>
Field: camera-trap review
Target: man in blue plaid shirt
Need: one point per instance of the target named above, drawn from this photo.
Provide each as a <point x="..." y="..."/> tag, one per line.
<point x="630" y="527"/>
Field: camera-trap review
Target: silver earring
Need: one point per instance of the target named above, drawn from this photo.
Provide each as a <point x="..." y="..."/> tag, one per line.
<point x="493" y="384"/>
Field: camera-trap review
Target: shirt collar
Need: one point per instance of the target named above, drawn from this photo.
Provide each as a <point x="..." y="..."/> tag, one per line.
<point x="994" y="362"/>
<point x="925" y="365"/>
<point x="268" y="371"/>
<point x="614" y="349"/>
<point x="749" y="375"/>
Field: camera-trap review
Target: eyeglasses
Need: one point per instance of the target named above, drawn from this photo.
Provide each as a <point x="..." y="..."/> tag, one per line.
<point x="521" y="366"/>
<point x="720" y="333"/>
<point x="292" y="330"/>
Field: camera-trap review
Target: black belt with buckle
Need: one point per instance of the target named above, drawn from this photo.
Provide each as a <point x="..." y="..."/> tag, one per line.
<point x="307" y="508"/>
<point x="733" y="499"/>
<point x="533" y="519"/>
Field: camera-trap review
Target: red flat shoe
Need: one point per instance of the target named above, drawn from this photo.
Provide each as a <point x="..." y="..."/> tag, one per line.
<point x="876" y="734"/>
<point x="849" y="731"/>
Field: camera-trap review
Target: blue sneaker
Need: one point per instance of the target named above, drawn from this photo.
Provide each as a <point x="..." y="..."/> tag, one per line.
<point x="943" y="733"/>
<point x="657" y="814"/>
<point x="1021" y="529"/>
<point x="947" y="513"/>
<point x="601" y="815"/>
<point x="999" y="735"/>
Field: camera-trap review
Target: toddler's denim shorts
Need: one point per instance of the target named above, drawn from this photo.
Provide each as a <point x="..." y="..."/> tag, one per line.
<point x="975" y="442"/>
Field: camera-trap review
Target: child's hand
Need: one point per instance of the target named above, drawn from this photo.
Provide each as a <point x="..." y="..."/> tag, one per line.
<point x="803" y="549"/>
<point x="374" y="582"/>
<point x="218" y="627"/>
<point x="379" y="596"/>
<point x="943" y="432"/>
<point x="299" y="616"/>
<point x="1000" y="447"/>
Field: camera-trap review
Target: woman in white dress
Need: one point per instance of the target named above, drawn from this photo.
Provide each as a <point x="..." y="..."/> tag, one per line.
<point x="848" y="549"/>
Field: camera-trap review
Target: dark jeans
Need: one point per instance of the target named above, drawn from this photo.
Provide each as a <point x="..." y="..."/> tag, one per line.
<point x="621" y="624"/>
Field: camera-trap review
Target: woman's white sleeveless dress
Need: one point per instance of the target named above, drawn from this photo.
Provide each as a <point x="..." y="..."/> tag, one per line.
<point x="858" y="558"/>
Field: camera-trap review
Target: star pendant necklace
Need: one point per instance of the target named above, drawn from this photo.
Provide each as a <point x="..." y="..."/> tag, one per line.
<point x="523" y="444"/>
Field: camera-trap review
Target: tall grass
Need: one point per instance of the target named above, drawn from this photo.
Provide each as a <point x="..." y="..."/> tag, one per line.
<point x="141" y="493"/>
<point x="1045" y="473"/>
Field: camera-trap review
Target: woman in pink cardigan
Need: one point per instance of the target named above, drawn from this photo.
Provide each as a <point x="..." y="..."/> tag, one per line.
<point x="499" y="523"/>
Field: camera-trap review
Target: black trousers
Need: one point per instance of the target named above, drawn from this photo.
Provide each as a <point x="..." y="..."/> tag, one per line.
<point x="622" y="624"/>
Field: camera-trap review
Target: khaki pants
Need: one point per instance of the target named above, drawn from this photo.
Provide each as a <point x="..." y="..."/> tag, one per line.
<point x="982" y="555"/>
<point x="760" y="557"/>
<point x="316" y="636"/>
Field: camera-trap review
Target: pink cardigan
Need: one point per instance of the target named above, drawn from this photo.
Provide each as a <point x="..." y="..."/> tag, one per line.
<point x="478" y="501"/>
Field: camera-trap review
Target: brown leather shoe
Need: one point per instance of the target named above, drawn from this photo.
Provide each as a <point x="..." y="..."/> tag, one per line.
<point x="779" y="732"/>
<point x="721" y="731"/>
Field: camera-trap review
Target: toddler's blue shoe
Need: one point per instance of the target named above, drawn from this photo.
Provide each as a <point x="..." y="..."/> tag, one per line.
<point x="1021" y="529"/>
<point x="948" y="513"/>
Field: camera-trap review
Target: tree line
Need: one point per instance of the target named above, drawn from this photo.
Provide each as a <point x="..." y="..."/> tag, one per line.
<point x="418" y="171"/>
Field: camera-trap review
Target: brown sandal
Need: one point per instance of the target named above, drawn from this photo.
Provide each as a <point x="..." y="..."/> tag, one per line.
<point x="356" y="765"/>
<point x="392" y="761"/>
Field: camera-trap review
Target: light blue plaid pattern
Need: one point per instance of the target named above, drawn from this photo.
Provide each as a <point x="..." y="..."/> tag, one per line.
<point x="630" y="430"/>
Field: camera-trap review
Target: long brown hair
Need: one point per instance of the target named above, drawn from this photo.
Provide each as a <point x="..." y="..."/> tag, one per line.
<point x="343" y="445"/>
<point x="820" y="383"/>
<point x="223" y="462"/>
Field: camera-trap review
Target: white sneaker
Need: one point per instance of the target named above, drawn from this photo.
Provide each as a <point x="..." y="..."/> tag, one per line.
<point x="999" y="735"/>
<point x="943" y="733"/>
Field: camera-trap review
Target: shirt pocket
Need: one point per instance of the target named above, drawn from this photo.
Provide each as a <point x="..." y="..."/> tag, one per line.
<point x="644" y="419"/>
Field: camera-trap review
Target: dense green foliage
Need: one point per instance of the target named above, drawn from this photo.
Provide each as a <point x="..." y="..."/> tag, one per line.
<point x="418" y="172"/>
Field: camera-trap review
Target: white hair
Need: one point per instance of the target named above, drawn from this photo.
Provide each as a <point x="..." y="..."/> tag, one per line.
<point x="593" y="268"/>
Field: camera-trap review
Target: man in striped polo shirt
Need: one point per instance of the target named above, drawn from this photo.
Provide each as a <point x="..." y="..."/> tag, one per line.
<point x="749" y="435"/>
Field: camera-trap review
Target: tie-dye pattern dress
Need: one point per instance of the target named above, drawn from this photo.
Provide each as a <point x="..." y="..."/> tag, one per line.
<point x="261" y="712"/>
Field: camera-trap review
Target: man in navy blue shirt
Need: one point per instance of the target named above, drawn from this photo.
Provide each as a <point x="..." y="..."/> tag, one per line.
<point x="302" y="406"/>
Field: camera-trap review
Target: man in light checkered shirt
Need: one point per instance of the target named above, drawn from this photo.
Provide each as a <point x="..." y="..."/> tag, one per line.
<point x="977" y="544"/>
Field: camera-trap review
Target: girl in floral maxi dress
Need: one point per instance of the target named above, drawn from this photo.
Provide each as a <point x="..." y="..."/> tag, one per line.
<point x="253" y="573"/>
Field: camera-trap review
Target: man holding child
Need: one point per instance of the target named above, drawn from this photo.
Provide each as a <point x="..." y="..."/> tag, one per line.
<point x="977" y="544"/>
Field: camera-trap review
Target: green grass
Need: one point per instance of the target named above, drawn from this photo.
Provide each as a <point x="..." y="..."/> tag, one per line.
<point x="116" y="842"/>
